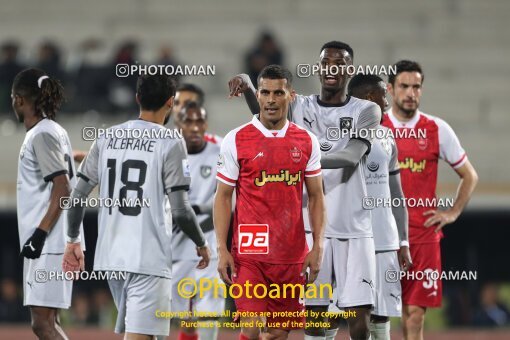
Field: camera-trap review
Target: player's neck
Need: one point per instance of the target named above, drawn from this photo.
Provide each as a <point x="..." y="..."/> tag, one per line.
<point x="31" y="120"/>
<point x="333" y="97"/>
<point x="152" y="116"/>
<point x="403" y="116"/>
<point x="196" y="149"/>
<point x="278" y="125"/>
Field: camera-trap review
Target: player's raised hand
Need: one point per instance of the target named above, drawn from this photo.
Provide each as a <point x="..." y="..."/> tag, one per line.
<point x="313" y="261"/>
<point x="74" y="259"/>
<point x="226" y="262"/>
<point x="238" y="85"/>
<point x="34" y="245"/>
<point x="439" y="217"/>
<point x="404" y="258"/>
<point x="205" y="254"/>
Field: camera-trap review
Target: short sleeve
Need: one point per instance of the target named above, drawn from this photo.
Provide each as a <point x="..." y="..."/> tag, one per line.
<point x="88" y="169"/>
<point x="228" y="166"/>
<point x="313" y="167"/>
<point x="50" y="155"/>
<point x="394" y="166"/>
<point x="450" y="149"/>
<point x="176" y="171"/>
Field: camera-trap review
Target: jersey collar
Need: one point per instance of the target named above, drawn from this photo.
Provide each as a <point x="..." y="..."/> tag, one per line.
<point x="409" y="124"/>
<point x="269" y="133"/>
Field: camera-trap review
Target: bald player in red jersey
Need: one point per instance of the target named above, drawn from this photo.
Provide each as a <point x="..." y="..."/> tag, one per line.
<point x="419" y="155"/>
<point x="267" y="162"/>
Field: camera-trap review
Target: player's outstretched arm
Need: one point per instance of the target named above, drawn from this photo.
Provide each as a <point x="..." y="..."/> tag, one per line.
<point x="241" y="84"/>
<point x="401" y="218"/>
<point x="317" y="216"/>
<point x="74" y="260"/>
<point x="468" y="181"/>
<point x="187" y="220"/>
<point x="34" y="245"/>
<point x="348" y="157"/>
<point x="221" y="216"/>
<point x="357" y="146"/>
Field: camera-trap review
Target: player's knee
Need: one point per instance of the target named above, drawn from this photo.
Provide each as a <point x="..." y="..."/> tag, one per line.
<point x="44" y="329"/>
<point x="359" y="331"/>
<point x="415" y="320"/>
<point x="359" y="327"/>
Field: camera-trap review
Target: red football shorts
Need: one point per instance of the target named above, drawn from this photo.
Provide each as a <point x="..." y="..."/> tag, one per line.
<point x="251" y="300"/>
<point x="419" y="286"/>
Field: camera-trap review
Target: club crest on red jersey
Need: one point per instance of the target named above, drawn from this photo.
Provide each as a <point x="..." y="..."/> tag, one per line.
<point x="295" y="154"/>
<point x="422" y="143"/>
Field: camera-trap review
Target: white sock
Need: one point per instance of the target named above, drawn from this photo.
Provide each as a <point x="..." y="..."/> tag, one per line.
<point x="312" y="337"/>
<point x="380" y="331"/>
<point x="207" y="333"/>
<point x="331" y="333"/>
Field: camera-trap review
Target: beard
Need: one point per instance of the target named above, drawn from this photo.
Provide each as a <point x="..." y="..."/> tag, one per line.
<point x="407" y="112"/>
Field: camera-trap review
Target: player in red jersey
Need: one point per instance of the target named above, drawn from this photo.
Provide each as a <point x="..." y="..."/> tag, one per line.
<point x="267" y="161"/>
<point x="418" y="155"/>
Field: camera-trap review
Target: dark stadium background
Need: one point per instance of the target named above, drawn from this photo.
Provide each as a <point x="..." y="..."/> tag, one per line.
<point x="463" y="46"/>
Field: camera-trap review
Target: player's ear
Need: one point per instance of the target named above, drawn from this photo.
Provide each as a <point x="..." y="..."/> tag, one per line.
<point x="292" y="95"/>
<point x="369" y="97"/>
<point x="17" y="100"/>
<point x="389" y="87"/>
<point x="170" y="102"/>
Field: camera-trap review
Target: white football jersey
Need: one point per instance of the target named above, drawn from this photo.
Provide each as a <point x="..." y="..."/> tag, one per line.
<point x="344" y="189"/>
<point x="381" y="163"/>
<point x="46" y="153"/>
<point x="136" y="239"/>
<point x="203" y="186"/>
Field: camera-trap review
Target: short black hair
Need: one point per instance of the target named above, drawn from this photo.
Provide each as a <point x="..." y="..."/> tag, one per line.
<point x="275" y="72"/>
<point x="338" y="45"/>
<point x="406" y="66"/>
<point x="154" y="90"/>
<point x="191" y="106"/>
<point x="195" y="89"/>
<point x="47" y="94"/>
<point x="361" y="84"/>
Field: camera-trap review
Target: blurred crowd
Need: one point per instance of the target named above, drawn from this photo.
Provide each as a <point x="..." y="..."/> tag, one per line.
<point x="89" y="80"/>
<point x="89" y="77"/>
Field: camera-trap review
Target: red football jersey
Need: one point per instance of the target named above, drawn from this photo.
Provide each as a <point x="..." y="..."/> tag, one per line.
<point x="268" y="169"/>
<point x="418" y="156"/>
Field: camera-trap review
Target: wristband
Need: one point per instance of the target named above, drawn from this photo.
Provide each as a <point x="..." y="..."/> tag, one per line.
<point x="76" y="239"/>
<point x="404" y="243"/>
